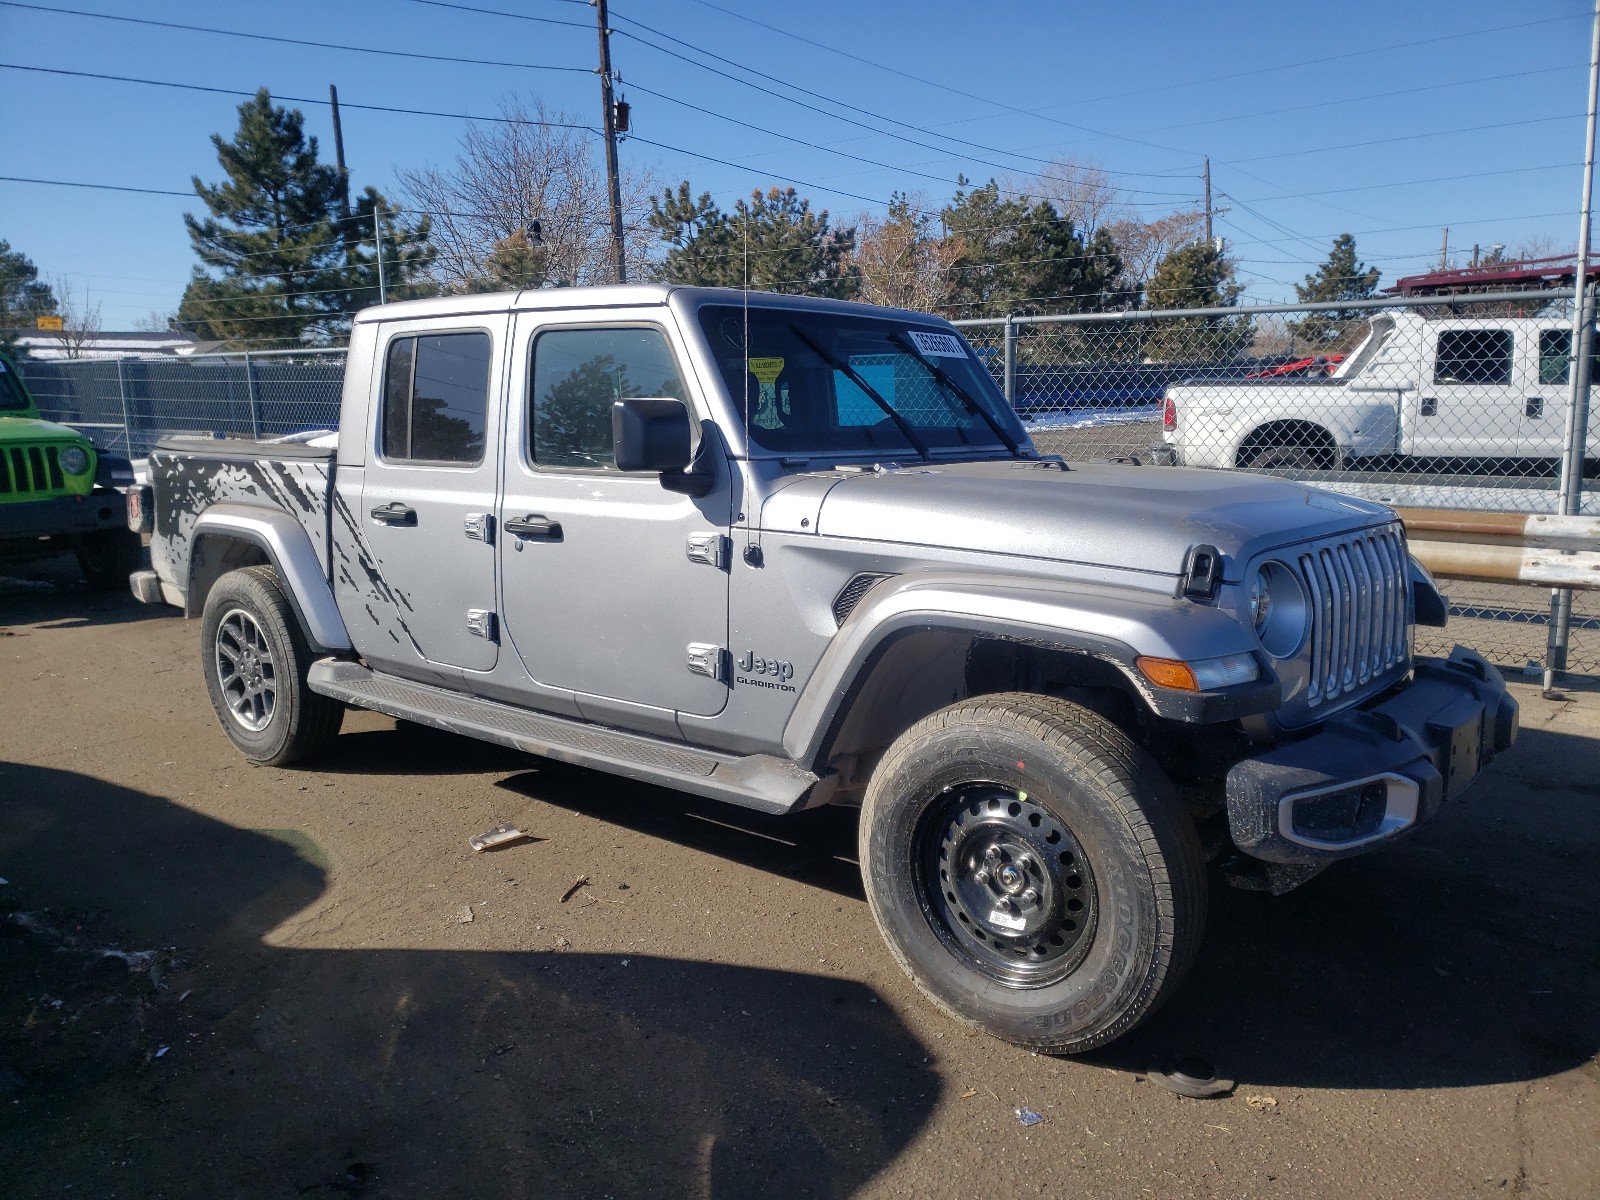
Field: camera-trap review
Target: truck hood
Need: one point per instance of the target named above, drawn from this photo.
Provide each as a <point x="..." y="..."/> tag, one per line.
<point x="35" y="429"/>
<point x="1134" y="518"/>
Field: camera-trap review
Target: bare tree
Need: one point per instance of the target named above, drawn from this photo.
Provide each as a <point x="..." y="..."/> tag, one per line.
<point x="902" y="263"/>
<point x="80" y="318"/>
<point x="1144" y="244"/>
<point x="526" y="169"/>
<point x="1081" y="192"/>
<point x="156" y="321"/>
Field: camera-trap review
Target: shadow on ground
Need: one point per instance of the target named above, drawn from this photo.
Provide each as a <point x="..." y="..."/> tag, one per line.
<point x="428" y="1073"/>
<point x="51" y="592"/>
<point x="1463" y="956"/>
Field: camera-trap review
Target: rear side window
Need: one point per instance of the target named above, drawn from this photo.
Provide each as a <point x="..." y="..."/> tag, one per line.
<point x="1555" y="354"/>
<point x="1473" y="356"/>
<point x="435" y="397"/>
<point x="577" y="375"/>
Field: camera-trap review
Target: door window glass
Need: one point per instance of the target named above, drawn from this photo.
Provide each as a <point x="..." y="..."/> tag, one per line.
<point x="577" y="375"/>
<point x="435" y="397"/>
<point x="1474" y="356"/>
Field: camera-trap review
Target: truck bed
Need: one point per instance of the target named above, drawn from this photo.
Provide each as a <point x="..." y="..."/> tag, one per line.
<point x="190" y="475"/>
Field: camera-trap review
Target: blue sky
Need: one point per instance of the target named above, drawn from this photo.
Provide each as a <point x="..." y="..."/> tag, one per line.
<point x="1389" y="120"/>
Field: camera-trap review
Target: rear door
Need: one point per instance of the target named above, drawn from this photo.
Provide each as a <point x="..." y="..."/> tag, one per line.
<point x="615" y="587"/>
<point x="430" y="485"/>
<point x="1551" y="385"/>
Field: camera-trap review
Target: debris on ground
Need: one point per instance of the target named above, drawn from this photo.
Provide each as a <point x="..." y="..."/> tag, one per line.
<point x="500" y="835"/>
<point x="969" y="1093"/>
<point x="563" y="943"/>
<point x="352" y="1180"/>
<point x="1029" y="1118"/>
<point x="1191" y="1076"/>
<point x="582" y="882"/>
<point x="1262" y="1103"/>
<point x="464" y="914"/>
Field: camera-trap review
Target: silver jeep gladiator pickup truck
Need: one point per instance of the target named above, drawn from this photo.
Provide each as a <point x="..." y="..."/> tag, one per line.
<point x="787" y="552"/>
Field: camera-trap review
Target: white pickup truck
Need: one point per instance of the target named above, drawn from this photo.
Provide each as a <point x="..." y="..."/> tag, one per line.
<point x="1456" y="387"/>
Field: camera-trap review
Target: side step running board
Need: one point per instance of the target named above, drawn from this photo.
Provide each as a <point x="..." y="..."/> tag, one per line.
<point x="758" y="781"/>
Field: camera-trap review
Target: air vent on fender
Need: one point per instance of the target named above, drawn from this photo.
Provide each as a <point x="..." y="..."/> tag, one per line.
<point x="847" y="599"/>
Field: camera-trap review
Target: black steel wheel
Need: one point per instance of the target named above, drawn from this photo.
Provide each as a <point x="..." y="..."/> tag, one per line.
<point x="1008" y="886"/>
<point x="1032" y="870"/>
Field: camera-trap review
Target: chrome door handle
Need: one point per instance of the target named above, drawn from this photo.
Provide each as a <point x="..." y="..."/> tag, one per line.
<point x="534" y="527"/>
<point x="395" y="513"/>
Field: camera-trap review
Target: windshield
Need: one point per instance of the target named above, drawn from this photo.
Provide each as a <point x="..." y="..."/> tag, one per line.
<point x="12" y="396"/>
<point x="820" y="382"/>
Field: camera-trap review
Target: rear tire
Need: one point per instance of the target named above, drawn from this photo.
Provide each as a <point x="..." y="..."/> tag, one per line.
<point x="1032" y="870"/>
<point x="108" y="557"/>
<point x="255" y="660"/>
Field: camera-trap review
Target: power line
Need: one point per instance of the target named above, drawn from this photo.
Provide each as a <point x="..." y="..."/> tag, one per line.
<point x="1404" y="137"/>
<point x="1364" y="53"/>
<point x="195" y="87"/>
<point x="841" y="153"/>
<point x="1430" y="87"/>
<point x="839" y="103"/>
<point x="1373" y="187"/>
<point x="1011" y="108"/>
<point x="104" y="187"/>
<point x="497" y="13"/>
<point x="288" y="41"/>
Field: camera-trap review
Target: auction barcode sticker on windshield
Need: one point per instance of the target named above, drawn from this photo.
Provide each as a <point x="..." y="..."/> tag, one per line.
<point x="938" y="345"/>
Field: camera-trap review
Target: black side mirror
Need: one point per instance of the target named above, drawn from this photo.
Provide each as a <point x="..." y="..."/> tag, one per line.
<point x="650" y="434"/>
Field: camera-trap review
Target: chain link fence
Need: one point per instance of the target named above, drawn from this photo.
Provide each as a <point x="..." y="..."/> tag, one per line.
<point x="1458" y="402"/>
<point x="127" y="405"/>
<point x="1455" y="402"/>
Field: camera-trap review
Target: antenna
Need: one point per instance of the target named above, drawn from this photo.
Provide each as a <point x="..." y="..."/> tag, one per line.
<point x="752" y="551"/>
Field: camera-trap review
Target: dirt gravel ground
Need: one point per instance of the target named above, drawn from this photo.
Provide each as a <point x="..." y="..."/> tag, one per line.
<point x="217" y="980"/>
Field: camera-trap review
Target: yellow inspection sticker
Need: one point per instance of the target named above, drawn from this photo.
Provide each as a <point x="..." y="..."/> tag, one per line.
<point x="766" y="370"/>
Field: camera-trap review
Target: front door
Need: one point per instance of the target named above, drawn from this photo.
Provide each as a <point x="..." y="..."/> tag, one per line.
<point x="430" y="485"/>
<point x="615" y="588"/>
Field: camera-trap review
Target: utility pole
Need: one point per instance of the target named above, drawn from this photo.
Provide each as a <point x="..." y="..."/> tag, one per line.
<point x="1444" y="250"/>
<point x="338" y="154"/>
<point x="1210" y="241"/>
<point x="609" y="119"/>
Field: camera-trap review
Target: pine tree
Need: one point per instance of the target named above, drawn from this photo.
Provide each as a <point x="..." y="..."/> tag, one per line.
<point x="771" y="242"/>
<point x="1021" y="256"/>
<point x="278" y="267"/>
<point x="23" y="297"/>
<point x="1195" y="276"/>
<point x="1341" y="277"/>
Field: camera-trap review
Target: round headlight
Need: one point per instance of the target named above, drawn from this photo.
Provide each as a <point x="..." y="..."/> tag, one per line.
<point x="74" y="460"/>
<point x="1278" y="608"/>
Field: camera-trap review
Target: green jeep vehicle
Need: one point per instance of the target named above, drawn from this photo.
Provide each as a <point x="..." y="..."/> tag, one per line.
<point x="58" y="493"/>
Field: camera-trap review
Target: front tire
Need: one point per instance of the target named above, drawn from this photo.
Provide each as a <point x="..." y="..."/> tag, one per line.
<point x="255" y="659"/>
<point x="1032" y="870"/>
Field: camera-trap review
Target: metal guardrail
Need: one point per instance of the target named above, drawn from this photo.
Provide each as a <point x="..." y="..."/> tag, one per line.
<point x="1536" y="549"/>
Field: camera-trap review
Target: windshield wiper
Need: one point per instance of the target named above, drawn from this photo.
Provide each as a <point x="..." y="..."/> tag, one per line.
<point x="961" y="393"/>
<point x="872" y="393"/>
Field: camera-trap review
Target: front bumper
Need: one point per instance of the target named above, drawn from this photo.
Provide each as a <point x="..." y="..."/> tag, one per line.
<point x="63" y="516"/>
<point x="1374" y="773"/>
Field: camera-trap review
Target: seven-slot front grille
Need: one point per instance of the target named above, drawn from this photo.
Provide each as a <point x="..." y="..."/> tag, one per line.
<point x="25" y="469"/>
<point x="1360" y="609"/>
